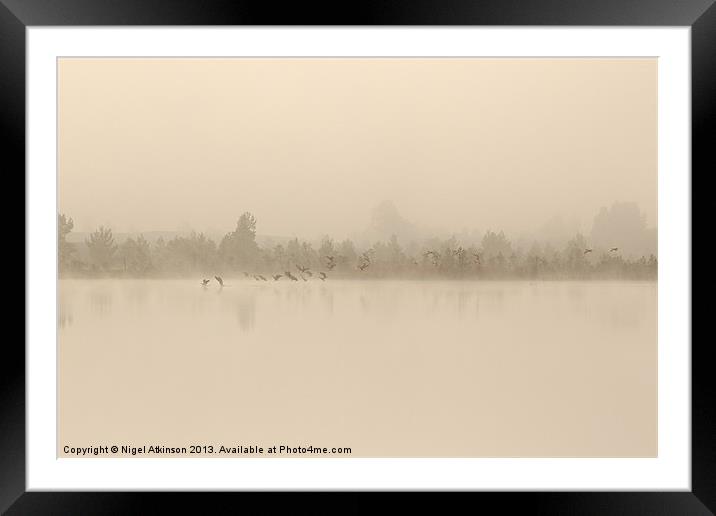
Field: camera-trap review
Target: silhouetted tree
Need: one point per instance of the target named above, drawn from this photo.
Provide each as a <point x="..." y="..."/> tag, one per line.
<point x="347" y="255"/>
<point x="238" y="248"/>
<point x="101" y="247"/>
<point x="308" y="256"/>
<point x="623" y="225"/>
<point x="293" y="253"/>
<point x="395" y="253"/>
<point x="279" y="257"/>
<point x="575" y="260"/>
<point x="66" y="250"/>
<point x="494" y="244"/>
<point x="326" y="249"/>
<point x="193" y="253"/>
<point x="136" y="255"/>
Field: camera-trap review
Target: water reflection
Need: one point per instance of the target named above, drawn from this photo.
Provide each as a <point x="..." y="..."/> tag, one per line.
<point x="64" y="317"/>
<point x="327" y="299"/>
<point x="100" y="300"/>
<point x="64" y="310"/>
<point x="328" y="360"/>
<point x="603" y="304"/>
<point x="246" y="311"/>
<point x="462" y="299"/>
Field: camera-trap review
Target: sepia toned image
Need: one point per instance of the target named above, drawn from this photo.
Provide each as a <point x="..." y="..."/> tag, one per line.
<point x="357" y="257"/>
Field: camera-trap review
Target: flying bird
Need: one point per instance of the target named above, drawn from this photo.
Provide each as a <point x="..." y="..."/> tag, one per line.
<point x="434" y="256"/>
<point x="221" y="281"/>
<point x="277" y="276"/>
<point x="322" y="276"/>
<point x="587" y="251"/>
<point x="304" y="270"/>
<point x="205" y="282"/>
<point x="364" y="260"/>
<point x="613" y="249"/>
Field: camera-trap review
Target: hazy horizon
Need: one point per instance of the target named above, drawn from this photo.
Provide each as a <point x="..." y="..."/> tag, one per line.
<point x="312" y="146"/>
<point x="386" y="221"/>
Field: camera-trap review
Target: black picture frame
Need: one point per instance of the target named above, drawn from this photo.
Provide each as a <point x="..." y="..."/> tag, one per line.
<point x="17" y="15"/>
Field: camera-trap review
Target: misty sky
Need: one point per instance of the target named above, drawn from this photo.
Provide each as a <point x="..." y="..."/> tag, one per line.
<point x="311" y="146"/>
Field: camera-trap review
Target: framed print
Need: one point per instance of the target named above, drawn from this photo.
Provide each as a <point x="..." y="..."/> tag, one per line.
<point x="422" y="249"/>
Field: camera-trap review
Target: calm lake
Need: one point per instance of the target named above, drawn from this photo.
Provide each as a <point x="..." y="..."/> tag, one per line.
<point x="386" y="368"/>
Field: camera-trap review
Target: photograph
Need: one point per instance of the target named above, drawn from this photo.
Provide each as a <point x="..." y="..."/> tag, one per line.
<point x="357" y="257"/>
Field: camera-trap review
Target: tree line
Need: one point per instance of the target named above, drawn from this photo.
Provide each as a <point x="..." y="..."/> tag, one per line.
<point x="239" y="253"/>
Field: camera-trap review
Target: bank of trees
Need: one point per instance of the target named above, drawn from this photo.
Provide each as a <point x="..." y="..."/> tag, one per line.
<point x="238" y="252"/>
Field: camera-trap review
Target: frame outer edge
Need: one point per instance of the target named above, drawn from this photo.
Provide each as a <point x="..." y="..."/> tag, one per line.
<point x="12" y="375"/>
<point x="12" y="126"/>
<point x="703" y="123"/>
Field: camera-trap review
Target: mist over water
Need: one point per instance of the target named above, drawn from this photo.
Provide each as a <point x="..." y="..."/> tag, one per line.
<point x="388" y="368"/>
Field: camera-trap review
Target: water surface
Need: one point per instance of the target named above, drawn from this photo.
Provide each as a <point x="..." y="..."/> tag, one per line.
<point x="388" y="368"/>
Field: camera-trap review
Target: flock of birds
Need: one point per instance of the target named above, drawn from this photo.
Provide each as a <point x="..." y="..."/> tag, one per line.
<point x="302" y="273"/>
<point x="363" y="263"/>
